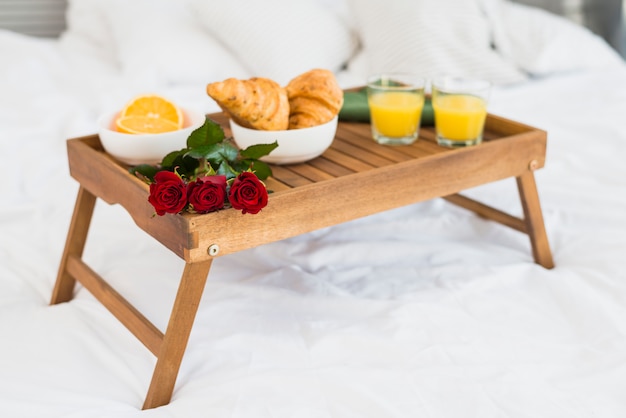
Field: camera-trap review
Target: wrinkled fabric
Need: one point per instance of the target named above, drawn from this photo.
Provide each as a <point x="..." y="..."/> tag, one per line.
<point x="425" y="310"/>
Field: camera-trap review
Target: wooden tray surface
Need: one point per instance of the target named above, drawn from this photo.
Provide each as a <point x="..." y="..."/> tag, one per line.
<point x="355" y="177"/>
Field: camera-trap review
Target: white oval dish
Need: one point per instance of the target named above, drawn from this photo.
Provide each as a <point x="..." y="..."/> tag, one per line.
<point x="134" y="149"/>
<point x="294" y="145"/>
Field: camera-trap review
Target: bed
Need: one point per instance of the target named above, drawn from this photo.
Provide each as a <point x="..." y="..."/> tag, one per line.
<point x="422" y="311"/>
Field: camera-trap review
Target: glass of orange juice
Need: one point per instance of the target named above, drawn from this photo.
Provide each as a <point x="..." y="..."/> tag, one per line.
<point x="395" y="102"/>
<point x="460" y="107"/>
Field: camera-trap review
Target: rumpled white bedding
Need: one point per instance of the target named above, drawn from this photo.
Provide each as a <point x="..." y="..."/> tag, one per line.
<point x="422" y="311"/>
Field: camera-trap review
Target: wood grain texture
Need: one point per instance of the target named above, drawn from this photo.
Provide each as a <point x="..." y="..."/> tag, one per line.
<point x="487" y="212"/>
<point x="355" y="177"/>
<point x="533" y="218"/>
<point x="74" y="245"/>
<point x="131" y="318"/>
<point x="99" y="173"/>
<point x="176" y="336"/>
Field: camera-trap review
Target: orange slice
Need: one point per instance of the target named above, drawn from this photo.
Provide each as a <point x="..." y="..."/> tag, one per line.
<point x="144" y="125"/>
<point x="154" y="106"/>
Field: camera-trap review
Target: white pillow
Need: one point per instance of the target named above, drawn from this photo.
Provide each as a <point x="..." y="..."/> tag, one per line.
<point x="162" y="43"/>
<point x="279" y="39"/>
<point x="87" y="23"/>
<point x="430" y="37"/>
<point x="543" y="43"/>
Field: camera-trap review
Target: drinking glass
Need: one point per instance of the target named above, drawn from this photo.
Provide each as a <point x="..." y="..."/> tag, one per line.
<point x="460" y="108"/>
<point x="395" y="101"/>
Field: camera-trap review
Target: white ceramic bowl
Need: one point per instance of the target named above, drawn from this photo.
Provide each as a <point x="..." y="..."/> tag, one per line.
<point x="134" y="149"/>
<point x="294" y="145"/>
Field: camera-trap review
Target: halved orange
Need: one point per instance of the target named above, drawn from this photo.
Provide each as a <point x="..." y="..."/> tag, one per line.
<point x="155" y="107"/>
<point x="144" y="125"/>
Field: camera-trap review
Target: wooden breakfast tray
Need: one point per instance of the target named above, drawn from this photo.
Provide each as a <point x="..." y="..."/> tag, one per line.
<point x="355" y="177"/>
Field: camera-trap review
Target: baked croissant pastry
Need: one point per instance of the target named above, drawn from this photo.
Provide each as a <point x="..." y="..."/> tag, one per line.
<point x="314" y="98"/>
<point x="257" y="103"/>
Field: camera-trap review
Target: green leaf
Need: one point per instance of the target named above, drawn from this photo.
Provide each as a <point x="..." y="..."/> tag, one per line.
<point x="216" y="154"/>
<point x="230" y="151"/>
<point x="259" y="150"/>
<point x="209" y="152"/>
<point x="169" y="159"/>
<point x="185" y="166"/>
<point x="208" y="134"/>
<point x="226" y="169"/>
<point x="144" y="171"/>
<point x="261" y="169"/>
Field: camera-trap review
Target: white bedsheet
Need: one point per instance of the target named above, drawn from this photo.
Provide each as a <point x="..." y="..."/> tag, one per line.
<point x="422" y="311"/>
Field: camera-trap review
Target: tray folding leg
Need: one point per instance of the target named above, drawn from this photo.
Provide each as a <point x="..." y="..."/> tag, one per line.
<point x="531" y="224"/>
<point x="533" y="219"/>
<point x="177" y="334"/>
<point x="169" y="348"/>
<point x="74" y="245"/>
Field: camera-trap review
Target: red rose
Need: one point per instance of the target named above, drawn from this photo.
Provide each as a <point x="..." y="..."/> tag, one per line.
<point x="247" y="193"/>
<point x="168" y="193"/>
<point x="207" y="193"/>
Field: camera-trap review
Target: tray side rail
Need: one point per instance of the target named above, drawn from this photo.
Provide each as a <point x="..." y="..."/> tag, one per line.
<point x="317" y="205"/>
<point x="104" y="177"/>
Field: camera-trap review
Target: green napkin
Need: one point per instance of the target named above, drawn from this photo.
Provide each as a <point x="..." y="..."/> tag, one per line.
<point x="355" y="108"/>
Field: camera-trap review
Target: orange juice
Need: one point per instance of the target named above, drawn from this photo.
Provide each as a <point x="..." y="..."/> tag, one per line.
<point x="396" y="114"/>
<point x="459" y="117"/>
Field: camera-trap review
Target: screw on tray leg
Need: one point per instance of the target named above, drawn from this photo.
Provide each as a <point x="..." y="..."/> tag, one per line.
<point x="213" y="250"/>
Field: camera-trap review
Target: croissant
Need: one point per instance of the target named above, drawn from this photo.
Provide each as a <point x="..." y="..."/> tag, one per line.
<point x="314" y="98"/>
<point x="257" y="103"/>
